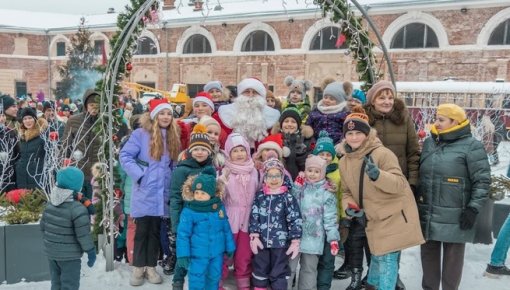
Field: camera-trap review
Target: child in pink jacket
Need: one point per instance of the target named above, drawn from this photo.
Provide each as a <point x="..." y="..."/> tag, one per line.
<point x="241" y="179"/>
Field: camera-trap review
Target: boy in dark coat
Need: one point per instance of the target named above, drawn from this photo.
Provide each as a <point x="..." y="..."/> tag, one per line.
<point x="66" y="231"/>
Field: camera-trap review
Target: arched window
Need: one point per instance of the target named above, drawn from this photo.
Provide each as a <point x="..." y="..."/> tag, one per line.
<point x="146" y="45"/>
<point x="415" y="35"/>
<point x="197" y="43"/>
<point x="258" y="41"/>
<point x="327" y="38"/>
<point x="501" y="35"/>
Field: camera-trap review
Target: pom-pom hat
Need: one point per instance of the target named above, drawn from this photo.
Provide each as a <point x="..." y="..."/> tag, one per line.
<point x="199" y="138"/>
<point x="204" y="97"/>
<point x="274" y="142"/>
<point x="357" y="121"/>
<point x="324" y="144"/>
<point x="205" y="181"/>
<point x="157" y="105"/>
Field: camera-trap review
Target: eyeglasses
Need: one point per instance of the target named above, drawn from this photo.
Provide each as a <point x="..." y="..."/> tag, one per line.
<point x="276" y="176"/>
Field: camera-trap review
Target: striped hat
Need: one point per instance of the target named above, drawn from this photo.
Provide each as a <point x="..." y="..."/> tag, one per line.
<point x="199" y="139"/>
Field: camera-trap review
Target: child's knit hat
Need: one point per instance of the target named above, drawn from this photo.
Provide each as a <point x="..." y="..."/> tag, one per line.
<point x="336" y="90"/>
<point x="357" y="120"/>
<point x="360" y="96"/>
<point x="199" y="138"/>
<point x="298" y="85"/>
<point x="204" y="97"/>
<point x="292" y="112"/>
<point x="235" y="140"/>
<point x="70" y="178"/>
<point x="205" y="181"/>
<point x="157" y="105"/>
<point x="313" y="161"/>
<point x="324" y="144"/>
<point x="207" y="121"/>
<point x="213" y="85"/>
<point x="273" y="163"/>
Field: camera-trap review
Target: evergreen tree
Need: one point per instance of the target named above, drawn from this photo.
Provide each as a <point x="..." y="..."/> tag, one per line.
<point x="79" y="73"/>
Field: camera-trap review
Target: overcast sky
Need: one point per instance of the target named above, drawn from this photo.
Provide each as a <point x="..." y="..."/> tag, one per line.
<point x="85" y="7"/>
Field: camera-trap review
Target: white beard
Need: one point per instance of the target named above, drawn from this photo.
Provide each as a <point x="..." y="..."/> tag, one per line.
<point x="249" y="118"/>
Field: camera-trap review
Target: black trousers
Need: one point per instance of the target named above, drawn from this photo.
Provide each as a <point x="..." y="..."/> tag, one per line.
<point x="357" y="244"/>
<point x="447" y="271"/>
<point x="271" y="268"/>
<point x="147" y="241"/>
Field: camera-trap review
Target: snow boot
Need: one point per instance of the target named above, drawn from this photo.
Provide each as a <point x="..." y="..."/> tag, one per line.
<point x="177" y="286"/>
<point x="153" y="276"/>
<point x="496" y="271"/>
<point x="355" y="279"/>
<point x="243" y="283"/>
<point x="400" y="285"/>
<point x="137" y="276"/>
<point x="342" y="273"/>
<point x="169" y="265"/>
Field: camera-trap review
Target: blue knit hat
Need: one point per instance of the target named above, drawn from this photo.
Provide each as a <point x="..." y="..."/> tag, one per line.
<point x="70" y="178"/>
<point x="205" y="181"/>
<point x="359" y="95"/>
<point x="324" y="143"/>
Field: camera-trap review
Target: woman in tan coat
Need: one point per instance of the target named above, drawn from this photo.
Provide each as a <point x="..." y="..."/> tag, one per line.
<point x="384" y="200"/>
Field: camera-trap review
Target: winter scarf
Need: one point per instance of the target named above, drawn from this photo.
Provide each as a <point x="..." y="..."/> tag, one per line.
<point x="212" y="205"/>
<point x="330" y="109"/>
<point x="268" y="191"/>
<point x="242" y="172"/>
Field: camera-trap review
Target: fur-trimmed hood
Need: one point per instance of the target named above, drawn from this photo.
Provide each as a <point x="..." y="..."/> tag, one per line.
<point x="145" y="121"/>
<point x="187" y="193"/>
<point x="397" y="116"/>
<point x="306" y="131"/>
<point x="28" y="134"/>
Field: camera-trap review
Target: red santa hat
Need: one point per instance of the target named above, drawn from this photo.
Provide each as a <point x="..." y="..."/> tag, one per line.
<point x="274" y="142"/>
<point x="156" y="105"/>
<point x="204" y="97"/>
<point x="252" y="83"/>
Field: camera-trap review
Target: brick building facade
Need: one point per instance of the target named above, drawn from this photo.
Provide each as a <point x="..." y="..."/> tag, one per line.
<point x="194" y="46"/>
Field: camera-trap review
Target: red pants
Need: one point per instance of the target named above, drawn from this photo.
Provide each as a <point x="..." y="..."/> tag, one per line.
<point x="130" y="239"/>
<point x="242" y="261"/>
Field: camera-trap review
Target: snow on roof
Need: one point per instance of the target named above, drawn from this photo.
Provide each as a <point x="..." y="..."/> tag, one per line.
<point x="449" y="86"/>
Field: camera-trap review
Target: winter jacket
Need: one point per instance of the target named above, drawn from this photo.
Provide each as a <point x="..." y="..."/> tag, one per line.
<point x="397" y="132"/>
<point x="454" y="175"/>
<point x="79" y="135"/>
<point x="127" y="185"/>
<point x="240" y="191"/>
<point x="276" y="218"/>
<point x="318" y="209"/>
<point x="390" y="208"/>
<point x="32" y="150"/>
<point x="151" y="178"/>
<point x="204" y="234"/>
<point x="66" y="227"/>
<point x="330" y="119"/>
<point x="184" y="169"/>
<point x="9" y="149"/>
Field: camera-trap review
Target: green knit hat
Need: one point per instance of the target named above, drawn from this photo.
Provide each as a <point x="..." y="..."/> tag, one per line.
<point x="206" y="181"/>
<point x="324" y="143"/>
<point x="70" y="178"/>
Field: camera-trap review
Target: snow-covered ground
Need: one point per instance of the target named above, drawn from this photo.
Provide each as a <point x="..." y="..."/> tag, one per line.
<point x="476" y="259"/>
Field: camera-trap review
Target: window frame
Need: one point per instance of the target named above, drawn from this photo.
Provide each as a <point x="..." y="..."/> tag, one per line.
<point x="403" y="31"/>
<point x="506" y="28"/>
<point x="249" y="38"/>
<point x="188" y="45"/>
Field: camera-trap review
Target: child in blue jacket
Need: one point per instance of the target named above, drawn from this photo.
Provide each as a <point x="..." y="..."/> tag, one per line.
<point x="203" y="233"/>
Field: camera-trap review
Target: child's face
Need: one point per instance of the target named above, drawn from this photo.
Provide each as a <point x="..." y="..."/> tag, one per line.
<point x="215" y="94"/>
<point x="201" y="109"/>
<point x="264" y="154"/>
<point x="313" y="174"/>
<point x="295" y="96"/>
<point x="354" y="138"/>
<point x="213" y="132"/>
<point x="165" y="118"/>
<point x="271" y="102"/>
<point x="326" y="156"/>
<point x="328" y="101"/>
<point x="273" y="178"/>
<point x="199" y="154"/>
<point x="353" y="102"/>
<point x="289" y="125"/>
<point x="200" y="195"/>
<point x="238" y="154"/>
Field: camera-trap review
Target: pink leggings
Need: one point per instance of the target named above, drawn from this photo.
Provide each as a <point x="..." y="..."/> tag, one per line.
<point x="242" y="261"/>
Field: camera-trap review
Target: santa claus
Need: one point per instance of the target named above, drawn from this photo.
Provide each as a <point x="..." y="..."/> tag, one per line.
<point x="249" y="115"/>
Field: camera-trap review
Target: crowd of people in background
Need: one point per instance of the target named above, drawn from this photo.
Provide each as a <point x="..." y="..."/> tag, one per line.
<point x="271" y="190"/>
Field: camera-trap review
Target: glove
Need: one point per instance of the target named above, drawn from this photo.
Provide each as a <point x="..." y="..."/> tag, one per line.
<point x="183" y="262"/>
<point x="334" y="248"/>
<point x="230" y="255"/>
<point x="255" y="243"/>
<point x="371" y="169"/>
<point x="86" y="203"/>
<point x="300" y="179"/>
<point x="468" y="218"/>
<point x="92" y="257"/>
<point x="293" y="249"/>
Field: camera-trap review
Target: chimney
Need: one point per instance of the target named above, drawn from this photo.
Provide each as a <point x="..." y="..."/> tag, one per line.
<point x="198" y="5"/>
<point x="168" y="4"/>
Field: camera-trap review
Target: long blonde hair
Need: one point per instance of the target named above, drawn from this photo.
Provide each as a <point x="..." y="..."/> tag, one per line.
<point x="173" y="140"/>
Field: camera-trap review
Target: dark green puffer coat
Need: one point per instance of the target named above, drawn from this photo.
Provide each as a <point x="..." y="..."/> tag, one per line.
<point x="454" y="175"/>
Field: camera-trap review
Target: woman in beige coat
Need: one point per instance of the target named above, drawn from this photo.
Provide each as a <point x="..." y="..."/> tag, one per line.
<point x="384" y="200"/>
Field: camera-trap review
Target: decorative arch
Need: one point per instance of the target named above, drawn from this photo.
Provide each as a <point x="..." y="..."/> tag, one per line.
<point x="420" y="17"/>
<point x="53" y="44"/>
<point x="313" y="30"/>
<point x="153" y="37"/>
<point x="488" y="28"/>
<point x="195" y="29"/>
<point x="254" y="26"/>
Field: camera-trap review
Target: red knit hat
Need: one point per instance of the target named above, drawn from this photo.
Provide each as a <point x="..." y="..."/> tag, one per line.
<point x="274" y="142"/>
<point x="204" y="97"/>
<point x="156" y="105"/>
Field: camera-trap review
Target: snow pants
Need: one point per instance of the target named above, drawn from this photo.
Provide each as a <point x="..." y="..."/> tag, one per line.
<point x="65" y="275"/>
<point x="205" y="273"/>
<point x="147" y="241"/>
<point x="271" y="268"/>
<point x="242" y="261"/>
<point x="325" y="268"/>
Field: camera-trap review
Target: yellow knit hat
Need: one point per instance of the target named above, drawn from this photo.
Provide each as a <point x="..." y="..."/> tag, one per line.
<point x="452" y="111"/>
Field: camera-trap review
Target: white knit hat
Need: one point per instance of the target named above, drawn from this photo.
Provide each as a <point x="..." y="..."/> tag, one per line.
<point x="252" y="83"/>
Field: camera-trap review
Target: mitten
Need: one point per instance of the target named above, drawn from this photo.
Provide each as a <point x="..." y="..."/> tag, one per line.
<point x="183" y="262"/>
<point x="468" y="218"/>
<point x="230" y="255"/>
<point x="87" y="203"/>
<point x="293" y="249"/>
<point x="334" y="248"/>
<point x="92" y="257"/>
<point x="300" y="179"/>
<point x="371" y="169"/>
<point x="255" y="243"/>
